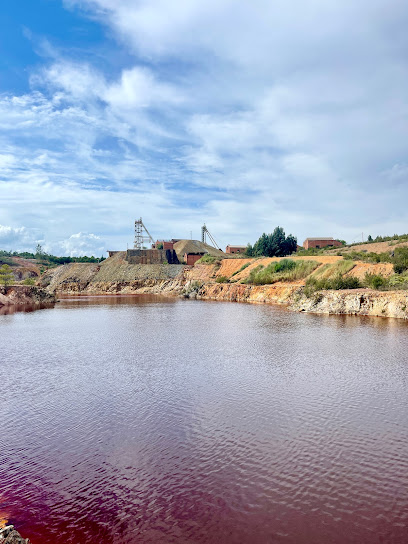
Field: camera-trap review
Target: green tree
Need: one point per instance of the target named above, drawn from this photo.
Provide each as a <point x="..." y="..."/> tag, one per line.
<point x="370" y="238"/>
<point x="275" y="244"/>
<point x="6" y="275"/>
<point x="249" y="252"/>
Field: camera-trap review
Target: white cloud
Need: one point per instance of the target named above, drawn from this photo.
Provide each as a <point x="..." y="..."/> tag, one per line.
<point x="244" y="115"/>
<point x="18" y="237"/>
<point x="80" y="244"/>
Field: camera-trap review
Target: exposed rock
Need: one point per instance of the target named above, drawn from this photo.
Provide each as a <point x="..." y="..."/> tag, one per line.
<point x="115" y="275"/>
<point x="354" y="302"/>
<point x="8" y="535"/>
<point x="25" y="294"/>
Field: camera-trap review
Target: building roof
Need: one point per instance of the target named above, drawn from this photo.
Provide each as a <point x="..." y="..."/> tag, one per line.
<point x="320" y="238"/>
<point x="236" y="245"/>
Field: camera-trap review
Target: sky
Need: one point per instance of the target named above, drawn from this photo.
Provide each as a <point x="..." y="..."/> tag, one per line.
<point x="243" y="115"/>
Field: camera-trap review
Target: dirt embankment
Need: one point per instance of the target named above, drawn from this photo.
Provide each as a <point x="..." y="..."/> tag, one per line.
<point x="225" y="280"/>
<point x="374" y="247"/>
<point x="113" y="275"/>
<point x="25" y="294"/>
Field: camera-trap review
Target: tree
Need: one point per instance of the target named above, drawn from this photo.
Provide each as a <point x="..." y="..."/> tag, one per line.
<point x="249" y="252"/>
<point x="6" y="275"/>
<point x="273" y="245"/>
<point x="370" y="238"/>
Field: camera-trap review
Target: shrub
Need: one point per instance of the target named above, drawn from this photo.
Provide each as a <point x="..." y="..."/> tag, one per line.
<point x="336" y="283"/>
<point x="221" y="279"/>
<point x="375" y="281"/>
<point x="29" y="281"/>
<point x="400" y="260"/>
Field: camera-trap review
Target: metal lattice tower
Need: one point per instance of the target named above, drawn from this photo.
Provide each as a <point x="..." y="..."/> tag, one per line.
<point x="139" y="236"/>
<point x="204" y="233"/>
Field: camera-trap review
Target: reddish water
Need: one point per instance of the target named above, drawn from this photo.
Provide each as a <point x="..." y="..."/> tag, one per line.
<point x="150" y="421"/>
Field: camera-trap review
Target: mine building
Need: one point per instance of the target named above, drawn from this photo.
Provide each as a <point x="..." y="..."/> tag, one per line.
<point x="235" y="249"/>
<point x="191" y="258"/>
<point x="321" y="242"/>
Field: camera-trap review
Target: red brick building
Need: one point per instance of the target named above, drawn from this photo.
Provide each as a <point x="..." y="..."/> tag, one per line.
<point x="321" y="242"/>
<point x="191" y="258"/>
<point x="235" y="249"/>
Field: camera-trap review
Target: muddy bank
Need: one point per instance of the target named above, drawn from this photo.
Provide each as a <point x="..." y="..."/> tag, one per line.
<point x="25" y="294"/>
<point x="8" y="535"/>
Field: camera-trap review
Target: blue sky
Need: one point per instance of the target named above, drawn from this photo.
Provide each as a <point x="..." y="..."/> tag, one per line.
<point x="241" y="115"/>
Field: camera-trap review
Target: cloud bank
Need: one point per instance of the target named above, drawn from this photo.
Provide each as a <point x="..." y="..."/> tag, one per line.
<point x="241" y="115"/>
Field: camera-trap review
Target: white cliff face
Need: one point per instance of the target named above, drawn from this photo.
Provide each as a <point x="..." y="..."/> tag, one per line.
<point x="354" y="302"/>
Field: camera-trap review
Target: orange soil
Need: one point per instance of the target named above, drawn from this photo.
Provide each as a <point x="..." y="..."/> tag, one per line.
<point x="361" y="269"/>
<point x="376" y="247"/>
<point x="229" y="266"/>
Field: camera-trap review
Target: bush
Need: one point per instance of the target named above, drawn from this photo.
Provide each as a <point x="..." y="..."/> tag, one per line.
<point x="335" y="283"/>
<point x="400" y="260"/>
<point x="375" y="281"/>
<point x="221" y="279"/>
<point x="29" y="281"/>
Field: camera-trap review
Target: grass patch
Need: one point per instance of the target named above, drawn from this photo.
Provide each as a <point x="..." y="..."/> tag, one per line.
<point x="241" y="269"/>
<point x="222" y="279"/>
<point x="331" y="270"/>
<point x="207" y="259"/>
<point x="284" y="270"/>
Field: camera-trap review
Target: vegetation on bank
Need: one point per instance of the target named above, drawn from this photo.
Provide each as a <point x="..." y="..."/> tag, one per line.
<point x="395" y="238"/>
<point x="6" y="275"/>
<point x="284" y="270"/>
<point x="208" y="259"/>
<point x="45" y="259"/>
<point x="398" y="257"/>
<point x="336" y="282"/>
<point x="331" y="270"/>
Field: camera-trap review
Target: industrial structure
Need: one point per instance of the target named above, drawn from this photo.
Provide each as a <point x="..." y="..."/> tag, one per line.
<point x="140" y="238"/>
<point x="174" y="251"/>
<point x="204" y="233"/>
<point x="235" y="249"/>
<point x="318" y="243"/>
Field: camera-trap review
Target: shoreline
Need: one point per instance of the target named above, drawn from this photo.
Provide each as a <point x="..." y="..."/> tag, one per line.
<point x="360" y="302"/>
<point x="222" y="280"/>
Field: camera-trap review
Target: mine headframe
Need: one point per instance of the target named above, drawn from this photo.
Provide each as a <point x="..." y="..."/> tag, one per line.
<point x="141" y="235"/>
<point x="204" y="233"/>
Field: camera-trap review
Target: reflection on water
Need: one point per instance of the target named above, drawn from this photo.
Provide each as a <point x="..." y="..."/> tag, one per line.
<point x="26" y="308"/>
<point x="146" y="420"/>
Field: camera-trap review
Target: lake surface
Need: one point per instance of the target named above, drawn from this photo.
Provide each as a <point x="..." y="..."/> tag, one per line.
<point x="147" y="420"/>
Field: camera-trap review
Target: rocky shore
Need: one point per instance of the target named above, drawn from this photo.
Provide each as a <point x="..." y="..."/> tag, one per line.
<point x="25" y="294"/>
<point x="9" y="535"/>
<point x="224" y="280"/>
